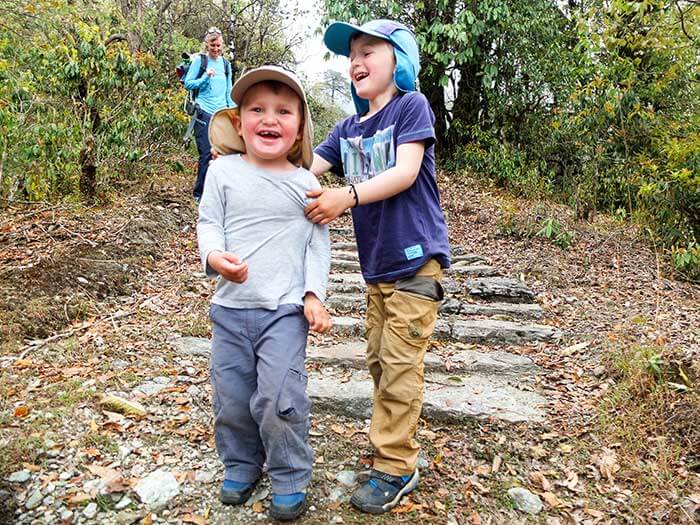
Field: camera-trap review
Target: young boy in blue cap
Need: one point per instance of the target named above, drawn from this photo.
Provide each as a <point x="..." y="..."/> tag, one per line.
<point x="386" y="153"/>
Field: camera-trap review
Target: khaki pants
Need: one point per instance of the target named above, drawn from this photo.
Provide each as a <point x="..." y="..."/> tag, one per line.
<point x="398" y="325"/>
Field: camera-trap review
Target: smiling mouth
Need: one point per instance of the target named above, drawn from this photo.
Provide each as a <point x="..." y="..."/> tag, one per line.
<point x="269" y="134"/>
<point x="361" y="76"/>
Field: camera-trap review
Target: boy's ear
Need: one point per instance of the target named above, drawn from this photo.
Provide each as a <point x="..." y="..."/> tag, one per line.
<point x="236" y="121"/>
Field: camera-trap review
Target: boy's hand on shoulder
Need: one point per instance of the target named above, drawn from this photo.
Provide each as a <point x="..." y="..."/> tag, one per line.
<point x="316" y="314"/>
<point x="229" y="266"/>
<point x="329" y="204"/>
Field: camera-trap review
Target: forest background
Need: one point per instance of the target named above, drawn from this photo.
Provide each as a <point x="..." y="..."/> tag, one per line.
<point x="594" y="104"/>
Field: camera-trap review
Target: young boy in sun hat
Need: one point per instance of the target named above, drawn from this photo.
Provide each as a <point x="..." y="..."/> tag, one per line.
<point x="271" y="266"/>
<point x="386" y="153"/>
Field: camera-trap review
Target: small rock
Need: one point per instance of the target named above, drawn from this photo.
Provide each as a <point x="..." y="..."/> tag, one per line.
<point x="158" y="488"/>
<point x="34" y="500"/>
<point x="338" y="519"/>
<point x="204" y="476"/>
<point x="20" y="476"/>
<point x="422" y="463"/>
<point x="82" y="280"/>
<point x="120" y="363"/>
<point x="123" y="503"/>
<point x="127" y="518"/>
<point x="338" y="494"/>
<point x="66" y="475"/>
<point x="599" y="371"/>
<point x="124" y="451"/>
<point x="525" y="500"/>
<point x="91" y="510"/>
<point x="193" y="390"/>
<point x="66" y="515"/>
<point x="346" y="478"/>
<point x="258" y="495"/>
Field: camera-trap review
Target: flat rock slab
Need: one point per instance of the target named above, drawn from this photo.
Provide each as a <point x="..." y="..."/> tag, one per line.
<point x="492" y="331"/>
<point x="339" y="264"/>
<point x="348" y="326"/>
<point x="200" y="346"/>
<point x="446" y="398"/>
<point x="500" y="288"/>
<point x="344" y="256"/>
<point x="486" y="331"/>
<point x="513" y="310"/>
<point x="352" y="355"/>
<point x="346" y="302"/>
<point x="475" y="270"/>
<point x="345" y="246"/>
<point x="468" y="258"/>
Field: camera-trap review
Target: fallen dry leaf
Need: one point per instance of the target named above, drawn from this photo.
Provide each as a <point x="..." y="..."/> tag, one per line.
<point x="475" y="518"/>
<point x="496" y="463"/>
<point x="607" y="464"/>
<point x="122" y="406"/>
<point x="257" y="507"/>
<point x="551" y="500"/>
<point x="539" y="479"/>
<point x="194" y="518"/>
<point x="21" y="411"/>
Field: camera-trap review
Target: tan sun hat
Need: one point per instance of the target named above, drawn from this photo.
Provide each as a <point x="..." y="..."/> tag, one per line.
<point x="222" y="133"/>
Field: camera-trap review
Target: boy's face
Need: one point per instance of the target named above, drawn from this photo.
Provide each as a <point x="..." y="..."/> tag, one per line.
<point x="270" y="123"/>
<point x="372" y="64"/>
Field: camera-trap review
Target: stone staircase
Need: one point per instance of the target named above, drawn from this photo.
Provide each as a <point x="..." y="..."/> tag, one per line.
<point x="468" y="371"/>
<point x="480" y="309"/>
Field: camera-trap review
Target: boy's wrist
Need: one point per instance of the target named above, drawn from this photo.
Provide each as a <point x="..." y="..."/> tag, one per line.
<point x="353" y="198"/>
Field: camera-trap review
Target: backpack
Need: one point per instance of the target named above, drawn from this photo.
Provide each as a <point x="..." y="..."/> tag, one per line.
<point x="190" y="103"/>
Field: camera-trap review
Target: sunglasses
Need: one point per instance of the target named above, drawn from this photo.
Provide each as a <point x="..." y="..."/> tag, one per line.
<point x="213" y="31"/>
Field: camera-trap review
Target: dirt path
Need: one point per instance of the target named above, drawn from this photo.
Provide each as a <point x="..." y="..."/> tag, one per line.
<point x="106" y="294"/>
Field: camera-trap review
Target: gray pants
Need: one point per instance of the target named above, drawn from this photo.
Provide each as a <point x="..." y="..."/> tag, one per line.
<point x="261" y="410"/>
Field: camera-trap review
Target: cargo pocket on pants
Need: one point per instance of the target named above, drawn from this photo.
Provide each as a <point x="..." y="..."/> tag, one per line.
<point x="293" y="404"/>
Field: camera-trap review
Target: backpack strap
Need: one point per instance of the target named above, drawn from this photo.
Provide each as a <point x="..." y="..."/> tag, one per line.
<point x="203" y="62"/>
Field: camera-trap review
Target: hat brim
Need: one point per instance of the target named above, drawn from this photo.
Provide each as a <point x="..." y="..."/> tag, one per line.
<point x="337" y="36"/>
<point x="223" y="135"/>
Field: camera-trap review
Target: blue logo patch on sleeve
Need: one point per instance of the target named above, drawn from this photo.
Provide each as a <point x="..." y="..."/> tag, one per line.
<point x="414" y="252"/>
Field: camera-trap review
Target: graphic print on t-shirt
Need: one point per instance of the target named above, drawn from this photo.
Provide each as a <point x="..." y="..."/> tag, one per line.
<point x="364" y="158"/>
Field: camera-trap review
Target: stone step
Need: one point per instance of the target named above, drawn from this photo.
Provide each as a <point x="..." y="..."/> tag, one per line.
<point x="511" y="310"/>
<point x="341" y="231"/>
<point x="474" y="270"/>
<point x="345" y="297"/>
<point x="344" y="256"/>
<point x="345" y="246"/>
<point x="344" y="266"/>
<point x="352" y="355"/>
<point x="499" y="288"/>
<point x="478" y="331"/>
<point x="447" y="398"/>
<point x="468" y="258"/>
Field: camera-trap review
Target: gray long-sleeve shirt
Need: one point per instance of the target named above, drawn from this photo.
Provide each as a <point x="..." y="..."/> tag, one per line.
<point x="259" y="216"/>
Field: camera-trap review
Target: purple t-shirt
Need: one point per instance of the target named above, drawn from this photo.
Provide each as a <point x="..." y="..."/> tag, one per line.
<point x="396" y="236"/>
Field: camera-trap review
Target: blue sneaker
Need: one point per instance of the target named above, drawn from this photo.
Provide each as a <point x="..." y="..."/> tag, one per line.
<point x="382" y="492"/>
<point x="288" y="507"/>
<point x="235" y="492"/>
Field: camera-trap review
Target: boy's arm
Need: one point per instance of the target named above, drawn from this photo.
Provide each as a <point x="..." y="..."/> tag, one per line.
<point x="330" y="203"/>
<point x="316" y="314"/>
<point x="210" y="235"/>
<point x="320" y="165"/>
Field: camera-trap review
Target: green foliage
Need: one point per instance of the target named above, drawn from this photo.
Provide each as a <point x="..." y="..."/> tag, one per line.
<point x="686" y="260"/>
<point x="595" y="104"/>
<point x="554" y="231"/>
<point x="87" y="90"/>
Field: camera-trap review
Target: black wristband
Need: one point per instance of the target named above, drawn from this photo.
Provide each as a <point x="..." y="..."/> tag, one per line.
<point x="354" y="195"/>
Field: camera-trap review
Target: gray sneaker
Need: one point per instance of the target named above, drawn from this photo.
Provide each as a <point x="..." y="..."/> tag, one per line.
<point x="382" y="492"/>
